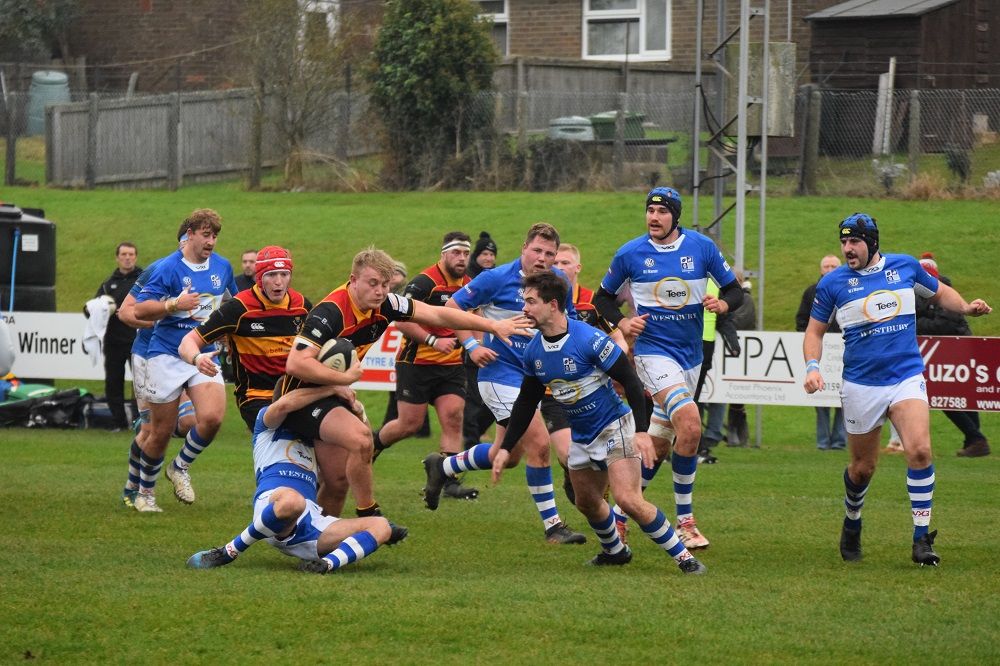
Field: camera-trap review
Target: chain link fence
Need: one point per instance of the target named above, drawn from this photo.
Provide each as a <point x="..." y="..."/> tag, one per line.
<point x="847" y="142"/>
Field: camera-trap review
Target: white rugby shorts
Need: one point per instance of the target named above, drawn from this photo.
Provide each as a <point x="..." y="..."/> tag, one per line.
<point x="613" y="444"/>
<point x="167" y="376"/>
<point x="865" y="407"/>
<point x="302" y="542"/>
<point x="661" y="372"/>
<point x="499" y="398"/>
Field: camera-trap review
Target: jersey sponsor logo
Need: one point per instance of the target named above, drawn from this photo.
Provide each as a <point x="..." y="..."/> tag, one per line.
<point x="648" y="263"/>
<point x="687" y="263"/>
<point x="298" y="456"/>
<point x="672" y="293"/>
<point x="608" y="349"/>
<point x="881" y="305"/>
<point x="257" y="326"/>
<point x="569" y="365"/>
<point x="892" y="275"/>
<point x="538" y="364"/>
<point x="725" y="264"/>
<point x="564" y="391"/>
<point x="853" y="282"/>
<point x="317" y="332"/>
<point x="315" y="412"/>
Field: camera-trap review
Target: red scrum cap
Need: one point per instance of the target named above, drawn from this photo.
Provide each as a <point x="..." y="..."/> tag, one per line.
<point x="269" y="259"/>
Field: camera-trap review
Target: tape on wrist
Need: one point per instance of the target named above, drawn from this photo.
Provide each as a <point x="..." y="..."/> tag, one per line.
<point x="430" y="340"/>
<point x="811" y="365"/>
<point x="470" y="343"/>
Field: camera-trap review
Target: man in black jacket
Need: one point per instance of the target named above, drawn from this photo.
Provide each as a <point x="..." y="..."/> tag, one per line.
<point x="118" y="337"/>
<point x="830" y="432"/>
<point x="934" y="320"/>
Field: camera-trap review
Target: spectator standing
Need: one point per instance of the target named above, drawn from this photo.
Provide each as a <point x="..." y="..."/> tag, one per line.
<point x="830" y="432"/>
<point x="932" y="319"/>
<point x="247" y="278"/>
<point x="118" y="337"/>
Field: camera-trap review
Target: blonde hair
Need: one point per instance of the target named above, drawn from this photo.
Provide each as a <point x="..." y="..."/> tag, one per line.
<point x="572" y="249"/>
<point x="375" y="258"/>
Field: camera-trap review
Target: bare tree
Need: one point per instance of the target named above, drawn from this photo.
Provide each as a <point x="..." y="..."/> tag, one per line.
<point x="295" y="55"/>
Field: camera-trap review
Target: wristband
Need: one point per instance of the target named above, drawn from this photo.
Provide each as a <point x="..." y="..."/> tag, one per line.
<point x="470" y="343"/>
<point x="430" y="340"/>
<point x="812" y="364"/>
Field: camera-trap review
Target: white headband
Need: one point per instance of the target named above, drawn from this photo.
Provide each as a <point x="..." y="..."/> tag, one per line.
<point x="457" y="245"/>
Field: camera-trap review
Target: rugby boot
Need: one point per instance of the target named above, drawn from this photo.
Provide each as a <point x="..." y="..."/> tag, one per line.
<point x="453" y="488"/>
<point x="560" y="533"/>
<point x="209" y="559"/>
<point x="688" y="532"/>
<point x="850" y="544"/>
<point x="434" y="468"/>
<point x="923" y="550"/>
<point x="183" y="490"/>
<point x="692" y="566"/>
<point x="606" y="559"/>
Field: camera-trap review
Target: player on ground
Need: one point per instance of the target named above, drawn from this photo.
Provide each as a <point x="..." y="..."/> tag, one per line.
<point x="285" y="512"/>
<point x="140" y="347"/>
<point x="667" y="270"/>
<point x="874" y="298"/>
<point x="577" y="362"/>
<point x="429" y="364"/>
<point x="360" y="311"/>
<point x="185" y="289"/>
<point x="498" y="293"/>
<point x="260" y="324"/>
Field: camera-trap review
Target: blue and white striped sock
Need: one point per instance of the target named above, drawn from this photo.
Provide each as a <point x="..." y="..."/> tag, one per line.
<point x="266" y="526"/>
<point x="663" y="535"/>
<point x="684" y="468"/>
<point x="134" y="454"/>
<point x="194" y="445"/>
<point x="920" y="486"/>
<point x="854" y="499"/>
<point x="355" y="547"/>
<point x="149" y="469"/>
<point x="185" y="409"/>
<point x="608" y="535"/>
<point x="540" y="486"/>
<point x="478" y="457"/>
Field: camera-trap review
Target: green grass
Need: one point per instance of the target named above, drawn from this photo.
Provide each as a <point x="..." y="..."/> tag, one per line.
<point x="86" y="581"/>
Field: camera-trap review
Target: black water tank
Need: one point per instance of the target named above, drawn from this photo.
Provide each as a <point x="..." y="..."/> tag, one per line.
<point x="35" y="239"/>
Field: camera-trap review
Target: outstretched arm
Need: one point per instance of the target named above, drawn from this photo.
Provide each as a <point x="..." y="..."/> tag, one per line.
<point x="292" y="401"/>
<point x="951" y="300"/>
<point x="459" y="320"/>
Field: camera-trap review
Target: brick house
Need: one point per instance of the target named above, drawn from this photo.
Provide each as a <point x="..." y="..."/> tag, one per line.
<point x="187" y="44"/>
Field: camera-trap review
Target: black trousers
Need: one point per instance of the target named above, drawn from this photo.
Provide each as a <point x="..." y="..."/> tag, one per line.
<point x="115" y="358"/>
<point x="968" y="423"/>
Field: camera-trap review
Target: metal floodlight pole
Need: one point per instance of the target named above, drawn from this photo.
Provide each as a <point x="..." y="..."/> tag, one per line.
<point x="761" y="223"/>
<point x="696" y="121"/>
<point x="742" y="100"/>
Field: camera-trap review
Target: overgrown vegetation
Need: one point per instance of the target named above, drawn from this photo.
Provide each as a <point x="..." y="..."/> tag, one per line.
<point x="429" y="61"/>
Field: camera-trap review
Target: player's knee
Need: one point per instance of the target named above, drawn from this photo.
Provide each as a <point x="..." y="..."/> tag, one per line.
<point x="209" y="423"/>
<point x="919" y="456"/>
<point x="289" y="504"/>
<point x="589" y="505"/>
<point x="379" y="528"/>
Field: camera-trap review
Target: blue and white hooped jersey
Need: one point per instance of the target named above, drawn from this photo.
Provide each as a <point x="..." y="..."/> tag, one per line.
<point x="668" y="283"/>
<point x="876" y="310"/>
<point x="499" y="293"/>
<point x="210" y="279"/>
<point x="282" y="459"/>
<point x="142" y="337"/>
<point x="576" y="368"/>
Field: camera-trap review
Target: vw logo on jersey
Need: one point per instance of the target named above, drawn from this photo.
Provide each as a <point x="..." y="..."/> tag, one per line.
<point x="564" y="391"/>
<point x="853" y="282"/>
<point x="672" y="293"/>
<point x="649" y="262"/>
<point x="881" y="305"/>
<point x="538" y="364"/>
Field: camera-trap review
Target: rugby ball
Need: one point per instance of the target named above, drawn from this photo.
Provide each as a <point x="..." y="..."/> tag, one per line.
<point x="338" y="353"/>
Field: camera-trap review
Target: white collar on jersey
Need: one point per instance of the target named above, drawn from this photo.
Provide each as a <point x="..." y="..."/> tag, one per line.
<point x="873" y="269"/>
<point x="666" y="248"/>
<point x="557" y="345"/>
